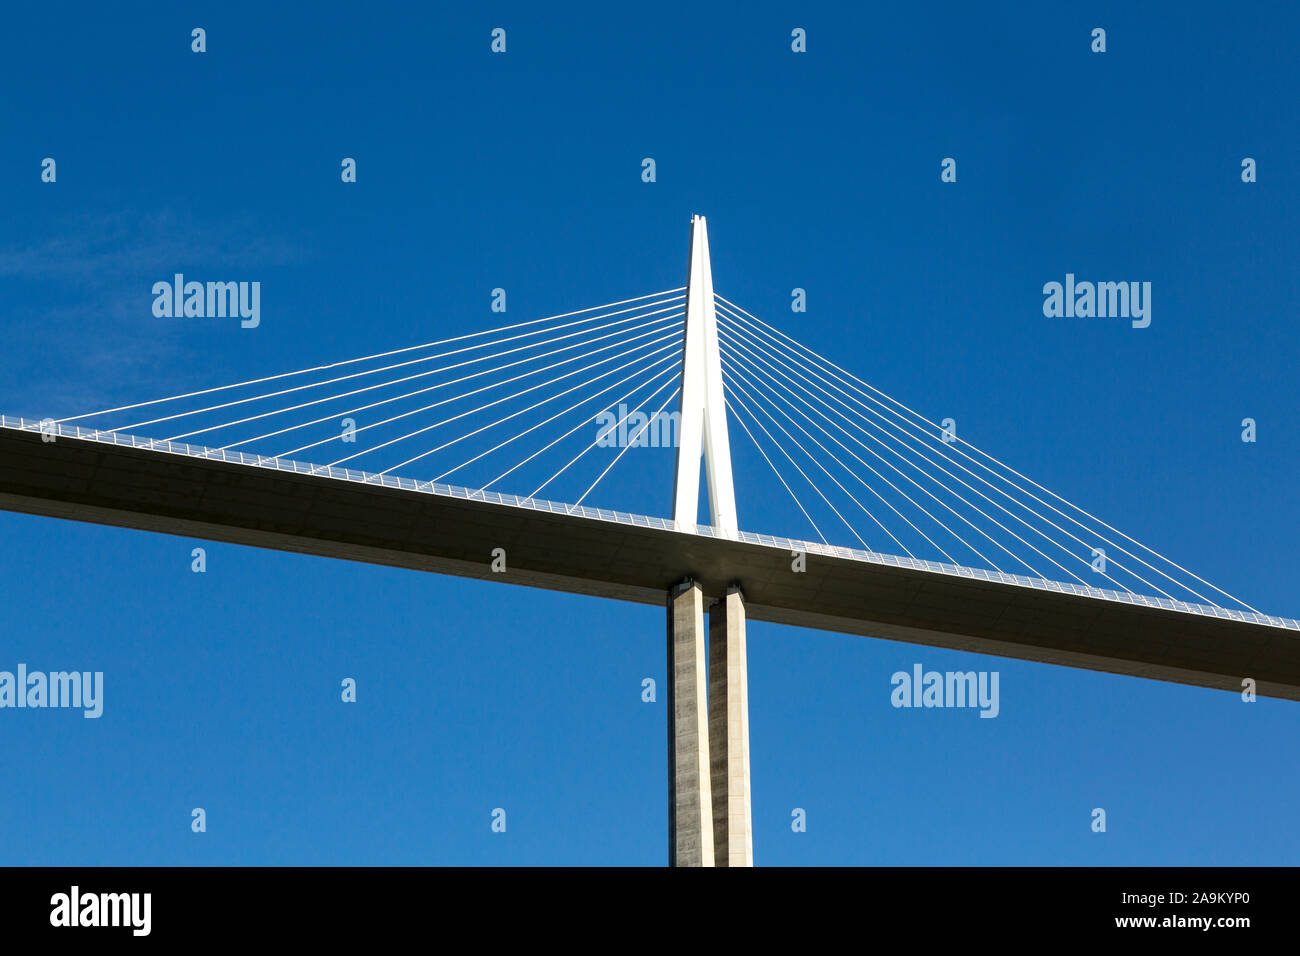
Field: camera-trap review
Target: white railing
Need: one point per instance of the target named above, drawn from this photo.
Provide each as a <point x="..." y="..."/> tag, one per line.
<point x="635" y="520"/>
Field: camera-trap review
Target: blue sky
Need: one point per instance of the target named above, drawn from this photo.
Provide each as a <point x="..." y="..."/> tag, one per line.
<point x="522" y="171"/>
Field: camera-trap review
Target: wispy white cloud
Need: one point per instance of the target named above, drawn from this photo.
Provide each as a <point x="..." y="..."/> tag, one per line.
<point x="97" y="248"/>
<point x="79" y="330"/>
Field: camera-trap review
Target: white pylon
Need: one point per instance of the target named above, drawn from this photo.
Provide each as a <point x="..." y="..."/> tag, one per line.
<point x="703" y="426"/>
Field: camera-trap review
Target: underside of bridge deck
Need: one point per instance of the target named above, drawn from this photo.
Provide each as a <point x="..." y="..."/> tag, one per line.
<point x="262" y="507"/>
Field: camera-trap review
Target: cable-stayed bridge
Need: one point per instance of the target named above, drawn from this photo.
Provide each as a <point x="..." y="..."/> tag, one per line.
<point x="487" y="455"/>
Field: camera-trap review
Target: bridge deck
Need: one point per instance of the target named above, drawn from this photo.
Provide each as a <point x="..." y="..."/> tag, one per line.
<point x="185" y="490"/>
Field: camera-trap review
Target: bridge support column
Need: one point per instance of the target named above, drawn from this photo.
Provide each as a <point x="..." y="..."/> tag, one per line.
<point x="733" y="842"/>
<point x="690" y="805"/>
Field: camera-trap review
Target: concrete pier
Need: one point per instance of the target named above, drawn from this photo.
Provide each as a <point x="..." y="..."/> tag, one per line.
<point x="690" y="804"/>
<point x="733" y="842"/>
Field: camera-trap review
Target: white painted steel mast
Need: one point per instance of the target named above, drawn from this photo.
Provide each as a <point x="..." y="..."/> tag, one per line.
<point x="703" y="428"/>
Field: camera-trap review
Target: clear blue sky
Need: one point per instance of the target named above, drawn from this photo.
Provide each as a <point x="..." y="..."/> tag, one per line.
<point x="522" y="171"/>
